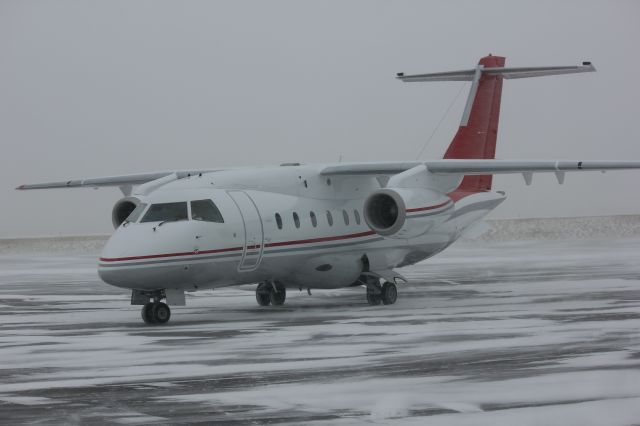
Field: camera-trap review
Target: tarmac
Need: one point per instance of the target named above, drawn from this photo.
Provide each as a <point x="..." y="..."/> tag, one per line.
<point x="507" y="333"/>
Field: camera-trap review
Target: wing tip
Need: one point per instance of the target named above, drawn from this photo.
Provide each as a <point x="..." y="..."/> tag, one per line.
<point x="21" y="187"/>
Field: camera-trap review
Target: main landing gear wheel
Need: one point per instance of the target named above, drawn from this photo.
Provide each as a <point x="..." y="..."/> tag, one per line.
<point x="263" y="294"/>
<point x="269" y="294"/>
<point x="156" y="313"/>
<point x="373" y="299"/>
<point x="278" y="295"/>
<point x="376" y="293"/>
<point x="147" y="316"/>
<point x="389" y="293"/>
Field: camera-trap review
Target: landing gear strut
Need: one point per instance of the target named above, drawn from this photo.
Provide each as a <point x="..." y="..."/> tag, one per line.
<point x="272" y="293"/>
<point x="156" y="313"/>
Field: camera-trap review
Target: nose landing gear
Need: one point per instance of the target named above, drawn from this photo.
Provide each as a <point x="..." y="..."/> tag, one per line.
<point x="156" y="313"/>
<point x="153" y="310"/>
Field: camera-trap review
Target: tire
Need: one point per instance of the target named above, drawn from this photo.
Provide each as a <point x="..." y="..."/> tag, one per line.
<point x="263" y="296"/>
<point x="278" y="297"/>
<point x="147" y="314"/>
<point x="373" y="299"/>
<point x="389" y="293"/>
<point x="161" y="313"/>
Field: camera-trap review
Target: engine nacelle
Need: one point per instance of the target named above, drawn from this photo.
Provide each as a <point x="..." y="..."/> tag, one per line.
<point x="405" y="212"/>
<point x="123" y="209"/>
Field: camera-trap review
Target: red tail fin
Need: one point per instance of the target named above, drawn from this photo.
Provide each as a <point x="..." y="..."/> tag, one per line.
<point x="477" y="139"/>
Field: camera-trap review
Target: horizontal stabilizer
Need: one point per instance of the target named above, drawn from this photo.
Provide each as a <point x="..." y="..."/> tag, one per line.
<point x="506" y="72"/>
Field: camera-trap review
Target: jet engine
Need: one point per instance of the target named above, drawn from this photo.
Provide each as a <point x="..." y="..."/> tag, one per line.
<point x="405" y="212"/>
<point x="123" y="209"/>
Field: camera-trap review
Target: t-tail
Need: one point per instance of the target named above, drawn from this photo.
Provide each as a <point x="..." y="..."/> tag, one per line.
<point x="478" y="131"/>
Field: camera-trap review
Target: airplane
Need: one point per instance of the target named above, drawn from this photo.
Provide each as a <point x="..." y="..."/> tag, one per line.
<point x="314" y="226"/>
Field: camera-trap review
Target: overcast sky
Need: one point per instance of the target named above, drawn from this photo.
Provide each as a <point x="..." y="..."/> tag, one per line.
<point x="97" y="88"/>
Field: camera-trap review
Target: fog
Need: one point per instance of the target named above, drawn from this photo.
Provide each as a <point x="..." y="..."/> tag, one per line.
<point x="100" y="88"/>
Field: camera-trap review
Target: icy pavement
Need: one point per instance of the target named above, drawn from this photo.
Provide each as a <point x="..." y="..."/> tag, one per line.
<point x="500" y="334"/>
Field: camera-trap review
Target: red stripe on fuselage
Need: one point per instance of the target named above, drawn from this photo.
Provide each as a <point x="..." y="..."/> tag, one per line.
<point x="154" y="256"/>
<point x="276" y="244"/>
<point x="421" y="209"/>
<point x="320" y="240"/>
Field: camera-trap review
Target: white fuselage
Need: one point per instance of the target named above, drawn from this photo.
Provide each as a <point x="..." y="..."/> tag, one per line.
<point x="327" y="246"/>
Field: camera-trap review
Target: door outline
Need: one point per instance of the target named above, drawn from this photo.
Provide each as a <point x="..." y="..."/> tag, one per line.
<point x="242" y="266"/>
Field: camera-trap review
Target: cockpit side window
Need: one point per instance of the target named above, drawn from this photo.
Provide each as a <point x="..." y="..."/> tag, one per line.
<point x="166" y="212"/>
<point x="135" y="214"/>
<point x="206" y="211"/>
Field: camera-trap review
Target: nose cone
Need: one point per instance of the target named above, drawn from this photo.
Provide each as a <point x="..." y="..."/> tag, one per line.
<point x="137" y="256"/>
<point x="116" y="254"/>
<point x="114" y="247"/>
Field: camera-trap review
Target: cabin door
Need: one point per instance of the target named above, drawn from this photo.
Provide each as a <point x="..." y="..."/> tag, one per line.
<point x="253" y="231"/>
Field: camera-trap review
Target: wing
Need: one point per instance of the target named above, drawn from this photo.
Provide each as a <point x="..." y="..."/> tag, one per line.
<point x="122" y="180"/>
<point x="478" y="167"/>
<point x="484" y="167"/>
<point x="379" y="168"/>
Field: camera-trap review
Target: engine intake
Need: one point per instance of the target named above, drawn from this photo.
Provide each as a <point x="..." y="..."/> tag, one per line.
<point x="123" y="209"/>
<point x="385" y="212"/>
<point x="405" y="212"/>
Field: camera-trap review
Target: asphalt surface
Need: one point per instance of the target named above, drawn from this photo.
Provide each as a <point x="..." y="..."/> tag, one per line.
<point x="508" y="333"/>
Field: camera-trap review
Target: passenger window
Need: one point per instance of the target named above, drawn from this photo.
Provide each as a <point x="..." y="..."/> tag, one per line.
<point x="329" y="218"/>
<point x="345" y="216"/>
<point x="166" y="212"/>
<point x="278" y="221"/>
<point x="206" y="211"/>
<point x="296" y="219"/>
<point x="135" y="214"/>
<point x="314" y="220"/>
<point x="356" y="215"/>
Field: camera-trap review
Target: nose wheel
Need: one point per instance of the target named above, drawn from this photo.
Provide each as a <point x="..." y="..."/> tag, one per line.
<point x="156" y="313"/>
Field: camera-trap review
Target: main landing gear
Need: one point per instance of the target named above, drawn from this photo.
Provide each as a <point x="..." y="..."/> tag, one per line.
<point x="156" y="313"/>
<point x="270" y="293"/>
<point x="386" y="294"/>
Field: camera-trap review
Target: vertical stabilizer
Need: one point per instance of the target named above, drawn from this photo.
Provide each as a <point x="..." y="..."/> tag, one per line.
<point x="476" y="137"/>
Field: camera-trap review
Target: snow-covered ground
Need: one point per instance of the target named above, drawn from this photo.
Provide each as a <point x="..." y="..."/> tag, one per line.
<point x="526" y="333"/>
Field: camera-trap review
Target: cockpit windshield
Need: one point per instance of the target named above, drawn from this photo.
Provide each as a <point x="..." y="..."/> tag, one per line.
<point x="166" y="212"/>
<point x="206" y="211"/>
